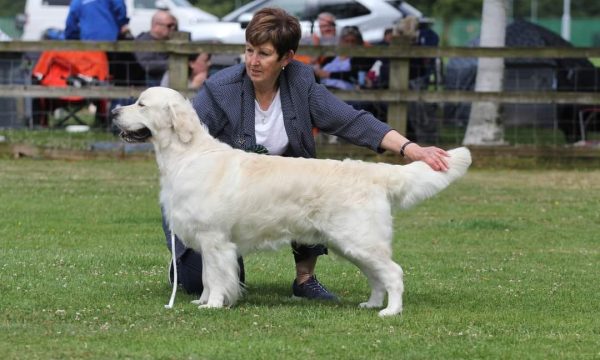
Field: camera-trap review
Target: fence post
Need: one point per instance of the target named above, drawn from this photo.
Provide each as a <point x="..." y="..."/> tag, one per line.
<point x="397" y="111"/>
<point x="178" y="64"/>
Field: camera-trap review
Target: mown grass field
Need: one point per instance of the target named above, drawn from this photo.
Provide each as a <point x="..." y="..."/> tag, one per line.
<point x="502" y="265"/>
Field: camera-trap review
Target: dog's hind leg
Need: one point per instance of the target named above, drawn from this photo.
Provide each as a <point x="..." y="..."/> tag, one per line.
<point x="377" y="292"/>
<point x="383" y="275"/>
<point x="371" y="250"/>
<point x="368" y="244"/>
<point x="219" y="270"/>
<point x="392" y="276"/>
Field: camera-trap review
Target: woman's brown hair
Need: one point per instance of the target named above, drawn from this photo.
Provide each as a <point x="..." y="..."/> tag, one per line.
<point x="276" y="26"/>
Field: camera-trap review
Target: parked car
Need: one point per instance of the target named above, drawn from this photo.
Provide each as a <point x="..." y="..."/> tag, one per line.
<point x="4" y="37"/>
<point x="371" y="16"/>
<point x="43" y="15"/>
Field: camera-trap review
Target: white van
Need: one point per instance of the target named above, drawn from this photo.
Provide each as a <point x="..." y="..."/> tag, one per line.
<point x="41" y="15"/>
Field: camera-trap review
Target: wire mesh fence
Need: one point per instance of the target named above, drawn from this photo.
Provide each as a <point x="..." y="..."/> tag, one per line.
<point x="440" y="122"/>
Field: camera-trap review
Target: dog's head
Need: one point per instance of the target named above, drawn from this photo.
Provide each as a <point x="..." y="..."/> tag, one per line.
<point x="158" y="114"/>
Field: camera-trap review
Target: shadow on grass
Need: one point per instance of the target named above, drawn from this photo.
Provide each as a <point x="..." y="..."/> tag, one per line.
<point x="261" y="295"/>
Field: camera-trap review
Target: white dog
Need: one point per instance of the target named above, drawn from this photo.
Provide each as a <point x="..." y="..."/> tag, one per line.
<point x="224" y="202"/>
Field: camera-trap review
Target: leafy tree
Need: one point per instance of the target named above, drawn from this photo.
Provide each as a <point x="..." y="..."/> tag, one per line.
<point x="218" y="7"/>
<point x="448" y="9"/>
<point x="10" y="8"/>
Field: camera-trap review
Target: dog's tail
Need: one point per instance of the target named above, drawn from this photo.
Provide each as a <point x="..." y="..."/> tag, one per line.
<point x="416" y="181"/>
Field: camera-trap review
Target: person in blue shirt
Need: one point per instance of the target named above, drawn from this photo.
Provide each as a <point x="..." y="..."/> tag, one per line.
<point x="101" y="20"/>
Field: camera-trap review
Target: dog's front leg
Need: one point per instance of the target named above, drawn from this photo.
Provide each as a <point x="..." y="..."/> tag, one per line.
<point x="219" y="271"/>
<point x="203" y="297"/>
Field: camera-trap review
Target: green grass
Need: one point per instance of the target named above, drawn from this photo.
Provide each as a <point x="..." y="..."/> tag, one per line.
<point x="504" y="264"/>
<point x="56" y="138"/>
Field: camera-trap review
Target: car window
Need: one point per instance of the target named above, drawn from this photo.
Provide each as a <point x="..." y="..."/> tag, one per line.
<point x="144" y="4"/>
<point x="182" y="3"/>
<point x="343" y="9"/>
<point x="152" y="4"/>
<point x="395" y="3"/>
<point x="57" y="2"/>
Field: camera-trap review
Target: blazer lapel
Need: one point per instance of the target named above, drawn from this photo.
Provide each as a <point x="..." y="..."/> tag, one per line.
<point x="290" y="117"/>
<point x="247" y="138"/>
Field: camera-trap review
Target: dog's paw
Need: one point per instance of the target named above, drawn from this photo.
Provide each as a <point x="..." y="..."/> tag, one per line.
<point x="203" y="299"/>
<point x="199" y="302"/>
<point x="389" y="312"/>
<point x="211" y="306"/>
<point x="370" y="305"/>
<point x="213" y="302"/>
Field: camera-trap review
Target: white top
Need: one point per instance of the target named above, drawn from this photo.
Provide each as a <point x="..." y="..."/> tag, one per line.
<point x="269" y="128"/>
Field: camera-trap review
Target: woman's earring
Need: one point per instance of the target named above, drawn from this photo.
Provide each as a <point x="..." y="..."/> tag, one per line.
<point x="282" y="68"/>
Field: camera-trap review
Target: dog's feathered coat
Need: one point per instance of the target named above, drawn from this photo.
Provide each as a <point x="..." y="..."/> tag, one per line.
<point x="224" y="202"/>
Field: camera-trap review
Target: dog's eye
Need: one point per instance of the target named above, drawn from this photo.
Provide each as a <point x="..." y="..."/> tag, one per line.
<point x="141" y="104"/>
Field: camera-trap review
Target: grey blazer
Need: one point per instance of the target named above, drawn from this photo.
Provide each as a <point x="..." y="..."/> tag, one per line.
<point x="225" y="103"/>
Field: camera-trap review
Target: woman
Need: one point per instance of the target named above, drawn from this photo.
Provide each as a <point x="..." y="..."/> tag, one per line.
<point x="199" y="66"/>
<point x="271" y="103"/>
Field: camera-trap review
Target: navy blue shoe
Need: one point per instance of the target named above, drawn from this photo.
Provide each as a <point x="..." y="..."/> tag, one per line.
<point x="312" y="290"/>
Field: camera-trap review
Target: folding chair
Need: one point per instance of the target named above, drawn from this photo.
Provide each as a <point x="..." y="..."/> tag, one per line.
<point x="71" y="68"/>
<point x="586" y="116"/>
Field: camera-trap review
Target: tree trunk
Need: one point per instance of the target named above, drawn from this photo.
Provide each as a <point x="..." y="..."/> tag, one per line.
<point x="485" y="126"/>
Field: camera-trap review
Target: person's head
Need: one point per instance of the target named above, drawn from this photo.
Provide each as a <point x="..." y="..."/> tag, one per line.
<point x="387" y="35"/>
<point x="276" y="26"/>
<point x="408" y="28"/>
<point x="199" y="63"/>
<point x="351" y="36"/>
<point x="163" y="25"/>
<point x="327" y="25"/>
<point x="272" y="38"/>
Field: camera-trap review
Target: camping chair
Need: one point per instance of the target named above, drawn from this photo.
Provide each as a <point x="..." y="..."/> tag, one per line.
<point x="71" y="68"/>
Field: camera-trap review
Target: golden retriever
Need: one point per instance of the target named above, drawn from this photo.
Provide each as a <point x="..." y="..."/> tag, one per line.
<point x="223" y="202"/>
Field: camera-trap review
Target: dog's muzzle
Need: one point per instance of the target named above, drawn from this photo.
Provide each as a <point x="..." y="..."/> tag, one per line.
<point x="130" y="136"/>
<point x="136" y="136"/>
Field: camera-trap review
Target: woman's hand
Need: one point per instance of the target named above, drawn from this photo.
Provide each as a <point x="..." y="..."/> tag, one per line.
<point x="433" y="156"/>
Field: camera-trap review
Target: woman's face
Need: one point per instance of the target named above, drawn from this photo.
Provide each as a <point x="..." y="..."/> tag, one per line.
<point x="262" y="63"/>
<point x="201" y="64"/>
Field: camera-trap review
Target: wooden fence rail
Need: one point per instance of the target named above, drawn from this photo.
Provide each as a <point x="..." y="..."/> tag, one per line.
<point x="398" y="95"/>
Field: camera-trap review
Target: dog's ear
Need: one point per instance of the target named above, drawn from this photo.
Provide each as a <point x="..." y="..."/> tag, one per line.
<point x="181" y="122"/>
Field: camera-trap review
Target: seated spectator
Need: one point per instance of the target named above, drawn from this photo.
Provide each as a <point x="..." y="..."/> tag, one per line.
<point x="422" y="124"/>
<point x="156" y="64"/>
<point x="327" y="30"/>
<point x="419" y="33"/>
<point x="388" y="34"/>
<point x="343" y="72"/>
<point x="327" y="36"/>
<point x="421" y="69"/>
<point x="199" y="66"/>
